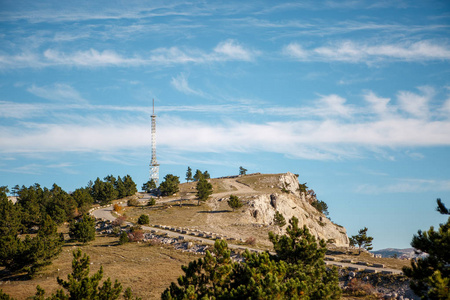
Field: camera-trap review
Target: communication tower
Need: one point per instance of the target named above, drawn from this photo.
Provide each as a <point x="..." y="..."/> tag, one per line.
<point x="154" y="166"/>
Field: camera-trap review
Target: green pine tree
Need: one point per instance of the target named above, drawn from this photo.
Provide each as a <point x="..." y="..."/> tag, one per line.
<point x="234" y="202"/>
<point x="189" y="174"/>
<point x="170" y="185"/>
<point x="204" y="189"/>
<point x="83" y="229"/>
<point x="362" y="240"/>
<point x="430" y="275"/>
<point x="287" y="275"/>
<point x="279" y="219"/>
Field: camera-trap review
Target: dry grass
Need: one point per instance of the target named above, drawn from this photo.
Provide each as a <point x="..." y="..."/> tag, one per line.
<point x="148" y="270"/>
<point x="266" y="183"/>
<point x="188" y="215"/>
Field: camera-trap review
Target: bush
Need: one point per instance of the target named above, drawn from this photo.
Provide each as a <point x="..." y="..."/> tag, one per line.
<point x="118" y="208"/>
<point x="358" y="288"/>
<point x="136" y="236"/>
<point x="133" y="202"/>
<point x="151" y="202"/>
<point x="250" y="241"/>
<point x="123" y="238"/>
<point x="143" y="219"/>
<point x="119" y="221"/>
<point x="234" y="202"/>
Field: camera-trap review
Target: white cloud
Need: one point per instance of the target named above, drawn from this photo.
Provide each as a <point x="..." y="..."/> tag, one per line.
<point x="324" y="139"/>
<point x="328" y="129"/>
<point x="349" y="51"/>
<point x="228" y="50"/>
<point x="333" y="105"/>
<point x="379" y="105"/>
<point x="296" y="51"/>
<point x="58" y="92"/>
<point x="414" y="104"/>
<point x="181" y="84"/>
<point x="19" y="110"/>
<point x="406" y="185"/>
<point x="90" y="58"/>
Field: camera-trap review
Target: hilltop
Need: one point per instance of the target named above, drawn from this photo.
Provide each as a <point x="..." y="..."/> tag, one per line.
<point x="261" y="194"/>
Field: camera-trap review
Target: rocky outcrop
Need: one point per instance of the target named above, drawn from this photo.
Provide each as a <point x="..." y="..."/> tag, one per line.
<point x="291" y="202"/>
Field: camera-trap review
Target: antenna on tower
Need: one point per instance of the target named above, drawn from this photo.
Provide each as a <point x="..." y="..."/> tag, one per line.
<point x="154" y="166"/>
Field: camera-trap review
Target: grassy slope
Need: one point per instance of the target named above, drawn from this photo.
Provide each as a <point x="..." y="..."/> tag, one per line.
<point x="148" y="270"/>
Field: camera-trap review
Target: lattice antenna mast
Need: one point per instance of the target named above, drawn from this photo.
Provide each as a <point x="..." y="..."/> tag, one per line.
<point x="154" y="166"/>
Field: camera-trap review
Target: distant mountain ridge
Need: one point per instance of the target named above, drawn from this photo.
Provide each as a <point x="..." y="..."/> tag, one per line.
<point x="407" y="253"/>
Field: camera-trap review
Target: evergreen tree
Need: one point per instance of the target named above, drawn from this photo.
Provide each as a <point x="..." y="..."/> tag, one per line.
<point x="42" y="249"/>
<point x="204" y="190"/>
<point x="430" y="275"/>
<point x="234" y="202"/>
<point x="362" y="240"/>
<point x="321" y="206"/>
<point x="206" y="175"/>
<point x="83" y="230"/>
<point x="29" y="254"/>
<point x="119" y="186"/>
<point x="4" y="296"/>
<point x="104" y="192"/>
<point x="189" y="174"/>
<point x="149" y="186"/>
<point x="170" y="185"/>
<point x="31" y="202"/>
<point x="15" y="190"/>
<point x="198" y="175"/>
<point x="80" y="285"/>
<point x="242" y="171"/>
<point x="10" y="217"/>
<point x="59" y="204"/>
<point x="83" y="199"/>
<point x="279" y="219"/>
<point x="130" y="185"/>
<point x="261" y="276"/>
<point x="143" y="220"/>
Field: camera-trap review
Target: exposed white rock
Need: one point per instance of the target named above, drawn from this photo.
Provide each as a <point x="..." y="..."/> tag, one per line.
<point x="290" y="202"/>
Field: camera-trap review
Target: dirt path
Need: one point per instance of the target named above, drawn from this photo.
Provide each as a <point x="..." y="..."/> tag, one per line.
<point x="240" y="189"/>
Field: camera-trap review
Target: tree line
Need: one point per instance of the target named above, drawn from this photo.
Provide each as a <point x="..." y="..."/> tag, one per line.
<point x="28" y="228"/>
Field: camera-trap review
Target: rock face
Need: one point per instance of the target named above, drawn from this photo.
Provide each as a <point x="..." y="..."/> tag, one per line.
<point x="291" y="202"/>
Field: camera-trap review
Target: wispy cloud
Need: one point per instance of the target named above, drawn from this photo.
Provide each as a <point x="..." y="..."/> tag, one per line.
<point x="406" y="185"/>
<point x="181" y="84"/>
<point x="58" y="92"/>
<point x="415" y="104"/>
<point x="229" y="50"/>
<point x="353" y="52"/>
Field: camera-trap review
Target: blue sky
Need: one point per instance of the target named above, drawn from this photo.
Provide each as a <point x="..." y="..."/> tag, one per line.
<point x="354" y="96"/>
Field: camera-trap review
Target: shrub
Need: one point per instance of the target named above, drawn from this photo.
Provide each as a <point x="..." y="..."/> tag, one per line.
<point x="119" y="221"/>
<point x="123" y="238"/>
<point x="136" y="236"/>
<point x="143" y="219"/>
<point x="133" y="202"/>
<point x="279" y="219"/>
<point x="358" y="288"/>
<point x="118" y="208"/>
<point x="116" y="231"/>
<point x="250" y="241"/>
<point x="234" y="202"/>
<point x="151" y="202"/>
